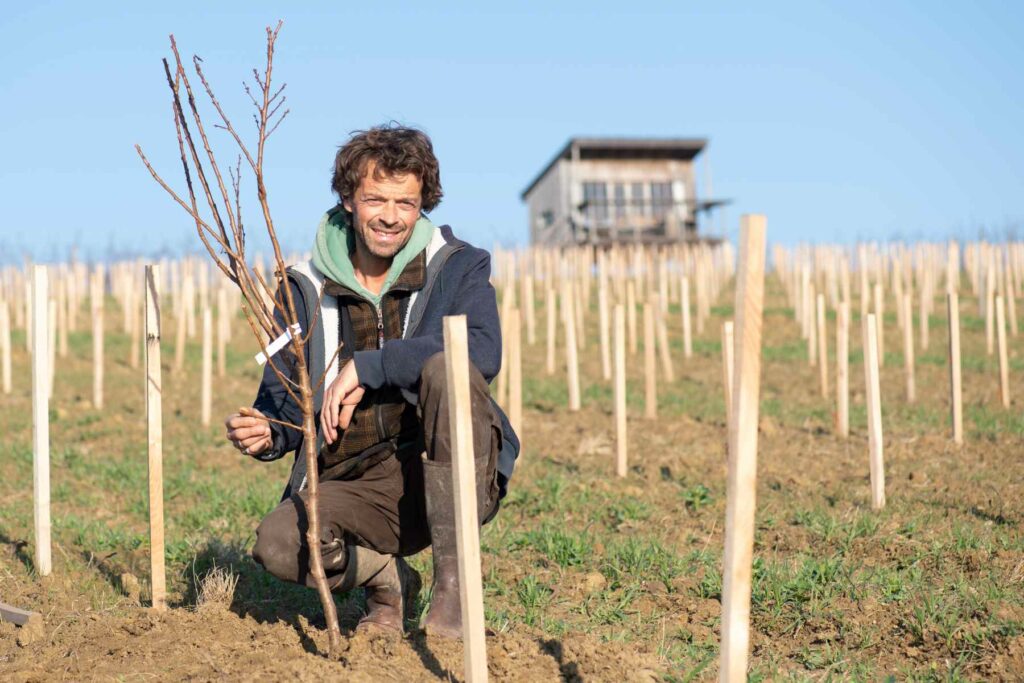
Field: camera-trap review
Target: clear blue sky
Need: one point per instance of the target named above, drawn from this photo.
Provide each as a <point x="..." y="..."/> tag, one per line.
<point x="838" y="120"/>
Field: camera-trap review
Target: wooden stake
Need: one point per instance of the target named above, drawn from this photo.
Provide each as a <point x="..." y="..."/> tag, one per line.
<point x="5" y="347"/>
<point x="132" y="311"/>
<point x="603" y="323"/>
<point x="551" y="305"/>
<point x="874" y="402"/>
<point x="843" y="370"/>
<point x="223" y="322"/>
<point x="1004" y="368"/>
<point x="51" y="349"/>
<point x="467" y="522"/>
<point x="154" y="422"/>
<point x="880" y="323"/>
<point x="515" y="373"/>
<point x="956" y="398"/>
<point x="631" y="317"/>
<point x="97" y="340"/>
<point x="687" y="332"/>
<point x="741" y="487"/>
<point x="822" y="338"/>
<point x="41" y="417"/>
<point x="620" y="391"/>
<point x="728" y="366"/>
<point x="62" y="315"/>
<point x="650" y="367"/>
<point x="180" y="336"/>
<point x="207" y="372"/>
<point x="990" y="293"/>
<point x="571" y="350"/>
<point x="922" y="316"/>
<point x="908" y="348"/>
<point x="664" y="351"/>
<point x="527" y="304"/>
<point x="812" y="327"/>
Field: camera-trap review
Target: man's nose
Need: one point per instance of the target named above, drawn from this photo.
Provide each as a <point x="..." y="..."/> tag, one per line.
<point x="389" y="216"/>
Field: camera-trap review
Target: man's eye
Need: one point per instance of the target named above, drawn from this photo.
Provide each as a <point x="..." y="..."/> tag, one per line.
<point x="407" y="205"/>
<point x="373" y="201"/>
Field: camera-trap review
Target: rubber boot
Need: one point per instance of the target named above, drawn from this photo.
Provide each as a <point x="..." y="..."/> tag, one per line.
<point x="444" y="618"/>
<point x="391" y="585"/>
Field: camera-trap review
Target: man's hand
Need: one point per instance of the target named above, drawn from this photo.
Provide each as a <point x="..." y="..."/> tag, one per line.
<point x="340" y="402"/>
<point x="249" y="431"/>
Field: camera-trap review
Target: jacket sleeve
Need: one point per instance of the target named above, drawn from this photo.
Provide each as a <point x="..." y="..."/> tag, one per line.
<point x="272" y="398"/>
<point x="400" y="362"/>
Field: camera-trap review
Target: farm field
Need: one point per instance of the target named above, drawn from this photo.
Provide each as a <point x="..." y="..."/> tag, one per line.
<point x="587" y="576"/>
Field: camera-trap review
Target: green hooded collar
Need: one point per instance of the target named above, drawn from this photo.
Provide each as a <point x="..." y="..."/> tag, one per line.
<point x="335" y="242"/>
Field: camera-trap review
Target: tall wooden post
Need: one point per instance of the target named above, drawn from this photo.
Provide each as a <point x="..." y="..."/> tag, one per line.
<point x="631" y="317"/>
<point x="874" y="401"/>
<point x="551" y="306"/>
<point x="956" y="396"/>
<point x="620" y="391"/>
<point x="880" y="323"/>
<point x="822" y="338"/>
<point x="990" y="294"/>
<point x="207" y="370"/>
<point x="1004" y="367"/>
<point x="96" y="301"/>
<point x="571" y="350"/>
<point x="467" y="523"/>
<point x="223" y="321"/>
<point x="5" y="348"/>
<point x="41" y="417"/>
<point x="154" y="421"/>
<point x="603" y="322"/>
<point x="843" y="370"/>
<point x="180" y="334"/>
<point x="51" y="348"/>
<point x="132" y="311"/>
<point x="741" y="487"/>
<point x="62" y="315"/>
<point x="515" y="373"/>
<point x="528" y="308"/>
<point x="728" y="367"/>
<point x="908" y="348"/>
<point x="923" y="314"/>
<point x="812" y="326"/>
<point x="650" y="366"/>
<point x="687" y="332"/>
<point x="664" y="350"/>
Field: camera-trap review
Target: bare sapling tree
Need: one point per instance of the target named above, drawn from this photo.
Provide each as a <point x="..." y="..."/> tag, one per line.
<point x="220" y="228"/>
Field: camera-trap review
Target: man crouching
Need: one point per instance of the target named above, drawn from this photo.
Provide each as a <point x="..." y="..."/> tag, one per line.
<point x="381" y="279"/>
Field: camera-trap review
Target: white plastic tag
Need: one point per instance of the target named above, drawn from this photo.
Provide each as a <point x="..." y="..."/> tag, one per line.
<point x="278" y="344"/>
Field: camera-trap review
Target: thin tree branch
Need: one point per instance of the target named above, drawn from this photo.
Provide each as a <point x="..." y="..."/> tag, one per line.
<point x="323" y="375"/>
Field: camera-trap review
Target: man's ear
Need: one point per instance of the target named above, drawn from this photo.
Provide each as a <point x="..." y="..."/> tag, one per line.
<point x="347" y="203"/>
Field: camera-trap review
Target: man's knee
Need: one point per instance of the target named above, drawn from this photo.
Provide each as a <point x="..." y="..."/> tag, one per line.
<point x="434" y="378"/>
<point x="279" y="542"/>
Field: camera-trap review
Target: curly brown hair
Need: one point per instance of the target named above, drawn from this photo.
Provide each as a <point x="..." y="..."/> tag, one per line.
<point x="396" y="149"/>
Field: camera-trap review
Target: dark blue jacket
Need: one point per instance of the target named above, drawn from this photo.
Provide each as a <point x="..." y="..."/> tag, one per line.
<point x="457" y="283"/>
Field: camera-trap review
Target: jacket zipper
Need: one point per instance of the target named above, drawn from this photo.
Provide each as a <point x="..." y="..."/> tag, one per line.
<point x="377" y="412"/>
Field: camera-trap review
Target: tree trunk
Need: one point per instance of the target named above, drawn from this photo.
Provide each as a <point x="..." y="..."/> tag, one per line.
<point x="316" y="565"/>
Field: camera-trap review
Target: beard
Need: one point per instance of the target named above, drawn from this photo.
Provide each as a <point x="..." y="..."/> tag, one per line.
<point x="382" y="242"/>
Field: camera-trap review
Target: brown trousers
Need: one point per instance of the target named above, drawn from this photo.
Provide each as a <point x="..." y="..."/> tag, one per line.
<point x="384" y="507"/>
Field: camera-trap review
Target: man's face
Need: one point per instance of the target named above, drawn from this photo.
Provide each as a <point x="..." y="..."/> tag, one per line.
<point x="384" y="211"/>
